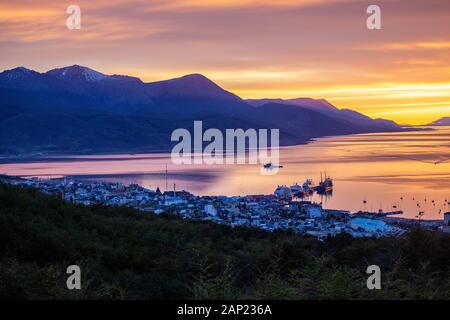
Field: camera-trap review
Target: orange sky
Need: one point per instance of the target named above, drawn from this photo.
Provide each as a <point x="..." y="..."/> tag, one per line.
<point x="255" y="48"/>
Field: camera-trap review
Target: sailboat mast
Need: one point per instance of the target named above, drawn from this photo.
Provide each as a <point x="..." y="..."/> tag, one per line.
<point x="167" y="186"/>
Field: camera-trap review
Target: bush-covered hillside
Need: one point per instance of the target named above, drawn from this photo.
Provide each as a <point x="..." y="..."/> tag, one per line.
<point x="124" y="254"/>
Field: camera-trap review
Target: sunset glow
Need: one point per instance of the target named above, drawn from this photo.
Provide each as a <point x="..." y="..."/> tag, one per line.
<point x="254" y="48"/>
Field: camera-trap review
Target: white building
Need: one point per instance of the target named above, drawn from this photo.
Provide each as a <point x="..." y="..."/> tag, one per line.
<point x="210" y="210"/>
<point x="313" y="211"/>
<point x="370" y="225"/>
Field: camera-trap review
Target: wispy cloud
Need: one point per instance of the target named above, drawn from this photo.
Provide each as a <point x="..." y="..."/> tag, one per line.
<point x="434" y="45"/>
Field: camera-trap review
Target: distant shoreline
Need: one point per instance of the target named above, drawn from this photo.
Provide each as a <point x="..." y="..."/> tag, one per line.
<point x="45" y="156"/>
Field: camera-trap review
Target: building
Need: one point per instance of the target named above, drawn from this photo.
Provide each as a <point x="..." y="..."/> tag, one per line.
<point x="369" y="225"/>
<point x="447" y="219"/>
<point x="210" y="210"/>
<point x="446" y="225"/>
<point x="313" y="211"/>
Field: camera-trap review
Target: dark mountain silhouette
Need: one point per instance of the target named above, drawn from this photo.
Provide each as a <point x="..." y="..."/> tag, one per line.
<point x="321" y="105"/>
<point x="441" y="122"/>
<point x="79" y="110"/>
<point x="324" y="107"/>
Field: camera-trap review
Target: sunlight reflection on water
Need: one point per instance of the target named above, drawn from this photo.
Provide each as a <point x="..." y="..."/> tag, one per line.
<point x="381" y="168"/>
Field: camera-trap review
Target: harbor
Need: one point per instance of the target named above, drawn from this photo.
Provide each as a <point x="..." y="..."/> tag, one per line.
<point x="286" y="209"/>
<point x="388" y="179"/>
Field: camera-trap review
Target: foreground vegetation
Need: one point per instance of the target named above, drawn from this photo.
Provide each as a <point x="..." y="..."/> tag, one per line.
<point x="124" y="254"/>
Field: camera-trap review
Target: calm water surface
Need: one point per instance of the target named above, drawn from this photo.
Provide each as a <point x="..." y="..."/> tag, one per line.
<point x="380" y="169"/>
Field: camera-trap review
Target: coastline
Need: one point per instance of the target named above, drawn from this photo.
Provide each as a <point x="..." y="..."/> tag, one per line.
<point x="50" y="155"/>
<point x="266" y="212"/>
<point x="360" y="164"/>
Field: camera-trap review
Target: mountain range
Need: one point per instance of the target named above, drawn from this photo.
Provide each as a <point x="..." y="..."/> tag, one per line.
<point x="79" y="110"/>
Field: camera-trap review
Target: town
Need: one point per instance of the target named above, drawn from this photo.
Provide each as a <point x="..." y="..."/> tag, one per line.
<point x="283" y="210"/>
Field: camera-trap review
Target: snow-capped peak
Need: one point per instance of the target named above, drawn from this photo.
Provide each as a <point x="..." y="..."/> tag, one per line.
<point x="77" y="72"/>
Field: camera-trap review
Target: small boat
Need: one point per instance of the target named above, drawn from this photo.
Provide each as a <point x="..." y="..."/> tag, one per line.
<point x="325" y="186"/>
<point x="270" y="165"/>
